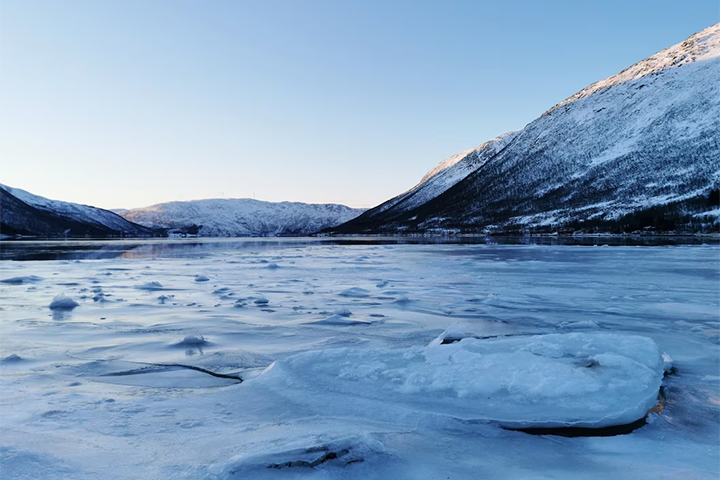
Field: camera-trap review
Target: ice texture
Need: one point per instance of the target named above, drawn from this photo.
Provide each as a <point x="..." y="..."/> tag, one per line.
<point x="495" y="336"/>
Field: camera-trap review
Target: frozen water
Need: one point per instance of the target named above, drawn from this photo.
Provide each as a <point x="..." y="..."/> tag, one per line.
<point x="180" y="385"/>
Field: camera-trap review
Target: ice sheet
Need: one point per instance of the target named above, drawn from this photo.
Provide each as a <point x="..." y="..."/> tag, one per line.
<point x="392" y="383"/>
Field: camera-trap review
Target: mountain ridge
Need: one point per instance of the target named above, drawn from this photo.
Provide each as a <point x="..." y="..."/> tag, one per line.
<point x="26" y="214"/>
<point x="242" y="216"/>
<point x="636" y="150"/>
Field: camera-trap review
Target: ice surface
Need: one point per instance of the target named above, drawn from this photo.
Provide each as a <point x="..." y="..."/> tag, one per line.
<point x="493" y="336"/>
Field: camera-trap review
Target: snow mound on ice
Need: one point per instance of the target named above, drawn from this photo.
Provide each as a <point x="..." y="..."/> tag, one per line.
<point x="355" y="292"/>
<point x="63" y="302"/>
<point x="13" y="358"/>
<point x="556" y="380"/>
<point x="338" y="319"/>
<point x="150" y="286"/>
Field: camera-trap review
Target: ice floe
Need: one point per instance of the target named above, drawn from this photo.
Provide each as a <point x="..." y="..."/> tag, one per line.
<point x="575" y="379"/>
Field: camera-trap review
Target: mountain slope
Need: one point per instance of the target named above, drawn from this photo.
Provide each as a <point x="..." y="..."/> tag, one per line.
<point x="26" y="214"/>
<point x="243" y="217"/>
<point x="443" y="176"/>
<point x="638" y="148"/>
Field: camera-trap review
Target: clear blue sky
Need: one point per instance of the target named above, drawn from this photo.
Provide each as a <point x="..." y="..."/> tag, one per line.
<point x="127" y="103"/>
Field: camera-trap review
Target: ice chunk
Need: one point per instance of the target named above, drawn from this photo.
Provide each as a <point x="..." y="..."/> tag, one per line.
<point x="13" y="358"/>
<point x="201" y="278"/>
<point x="667" y="362"/>
<point x="454" y="333"/>
<point x="21" y="280"/>
<point x="556" y="380"/>
<point x="356" y="292"/>
<point x="192" y="341"/>
<point x="63" y="302"/>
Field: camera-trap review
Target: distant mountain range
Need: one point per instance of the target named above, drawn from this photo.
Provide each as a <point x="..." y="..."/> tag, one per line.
<point x="637" y="150"/>
<point x="242" y="217"/>
<point x="22" y="213"/>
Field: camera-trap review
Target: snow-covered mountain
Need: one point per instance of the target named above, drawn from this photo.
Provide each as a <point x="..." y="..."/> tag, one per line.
<point x="243" y="217"/>
<point x="27" y="214"/>
<point x="637" y="149"/>
<point x="446" y="174"/>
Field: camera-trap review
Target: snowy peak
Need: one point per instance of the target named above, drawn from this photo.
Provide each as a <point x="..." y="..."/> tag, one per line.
<point x="491" y="146"/>
<point x="701" y="46"/>
<point x="445" y="175"/>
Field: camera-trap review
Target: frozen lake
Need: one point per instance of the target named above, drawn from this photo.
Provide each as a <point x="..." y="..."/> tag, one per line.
<point x="389" y="359"/>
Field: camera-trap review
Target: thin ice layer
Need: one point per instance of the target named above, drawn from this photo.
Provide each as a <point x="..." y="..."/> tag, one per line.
<point x="576" y="379"/>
